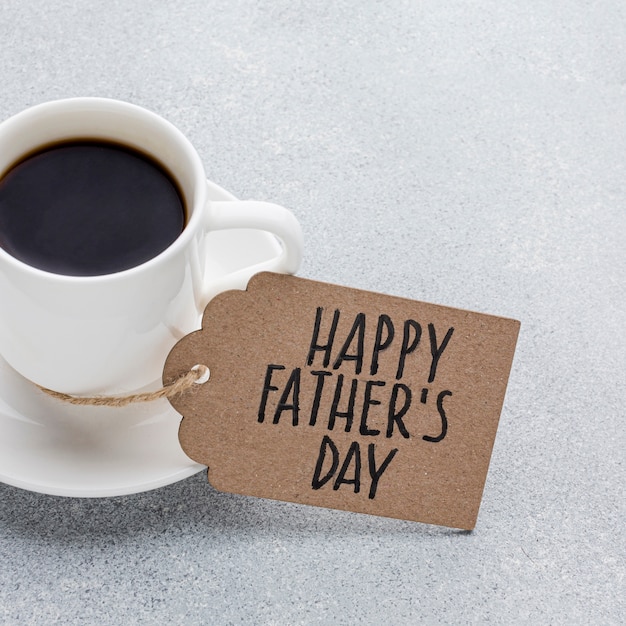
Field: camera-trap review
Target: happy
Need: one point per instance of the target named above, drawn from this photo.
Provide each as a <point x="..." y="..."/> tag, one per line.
<point x="353" y="347"/>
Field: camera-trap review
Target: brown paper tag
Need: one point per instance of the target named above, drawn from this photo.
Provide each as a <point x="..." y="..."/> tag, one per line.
<point x="342" y="398"/>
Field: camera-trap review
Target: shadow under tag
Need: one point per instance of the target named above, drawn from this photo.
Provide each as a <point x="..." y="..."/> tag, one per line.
<point x="336" y="397"/>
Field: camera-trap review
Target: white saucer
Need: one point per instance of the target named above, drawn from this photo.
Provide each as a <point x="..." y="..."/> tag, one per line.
<point x="59" y="449"/>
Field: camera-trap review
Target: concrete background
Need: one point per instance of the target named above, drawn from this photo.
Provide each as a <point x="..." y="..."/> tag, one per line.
<point x="464" y="153"/>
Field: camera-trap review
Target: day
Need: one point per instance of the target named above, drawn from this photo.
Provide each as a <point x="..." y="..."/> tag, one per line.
<point x="350" y="471"/>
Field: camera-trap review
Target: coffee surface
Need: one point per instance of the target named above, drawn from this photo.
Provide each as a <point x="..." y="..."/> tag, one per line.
<point x="88" y="208"/>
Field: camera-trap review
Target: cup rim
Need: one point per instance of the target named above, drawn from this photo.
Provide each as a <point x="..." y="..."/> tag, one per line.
<point x="195" y="216"/>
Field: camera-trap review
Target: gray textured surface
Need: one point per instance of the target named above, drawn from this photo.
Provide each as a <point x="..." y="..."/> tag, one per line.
<point x="464" y="153"/>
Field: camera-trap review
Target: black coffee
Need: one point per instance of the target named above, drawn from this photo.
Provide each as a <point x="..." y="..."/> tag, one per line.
<point x="88" y="208"/>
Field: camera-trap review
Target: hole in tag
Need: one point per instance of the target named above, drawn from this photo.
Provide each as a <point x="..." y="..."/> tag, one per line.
<point x="205" y="373"/>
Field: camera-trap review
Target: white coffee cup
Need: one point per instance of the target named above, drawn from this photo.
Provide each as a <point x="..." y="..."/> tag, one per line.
<point x="112" y="333"/>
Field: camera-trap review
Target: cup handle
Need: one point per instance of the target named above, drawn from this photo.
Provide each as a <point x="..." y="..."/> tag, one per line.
<point x="259" y="215"/>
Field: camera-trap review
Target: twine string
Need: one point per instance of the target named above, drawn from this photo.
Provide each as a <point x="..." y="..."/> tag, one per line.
<point x="196" y="375"/>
